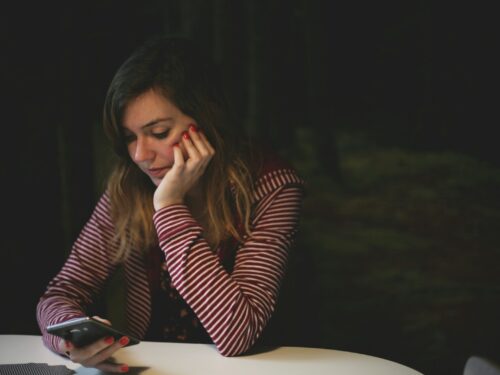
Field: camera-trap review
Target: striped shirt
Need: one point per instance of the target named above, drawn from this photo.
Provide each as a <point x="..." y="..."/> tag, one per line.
<point x="233" y="307"/>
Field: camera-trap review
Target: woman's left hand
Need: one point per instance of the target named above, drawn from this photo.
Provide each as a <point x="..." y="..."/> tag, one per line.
<point x="184" y="173"/>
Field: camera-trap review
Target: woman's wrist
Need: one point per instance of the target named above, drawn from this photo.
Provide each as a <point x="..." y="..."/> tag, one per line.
<point x="169" y="202"/>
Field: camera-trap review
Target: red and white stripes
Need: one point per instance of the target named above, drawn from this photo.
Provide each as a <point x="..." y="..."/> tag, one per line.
<point x="233" y="308"/>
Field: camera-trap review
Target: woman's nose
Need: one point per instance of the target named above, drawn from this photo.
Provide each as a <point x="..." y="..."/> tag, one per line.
<point x="142" y="151"/>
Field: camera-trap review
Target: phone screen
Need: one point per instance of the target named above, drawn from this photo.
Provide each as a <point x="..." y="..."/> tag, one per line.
<point x="84" y="331"/>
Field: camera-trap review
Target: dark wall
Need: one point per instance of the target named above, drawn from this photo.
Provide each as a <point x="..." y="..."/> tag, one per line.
<point x="302" y="74"/>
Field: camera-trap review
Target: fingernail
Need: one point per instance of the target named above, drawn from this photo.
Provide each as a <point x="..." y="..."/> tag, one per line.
<point x="124" y="368"/>
<point x="109" y="340"/>
<point x="193" y="128"/>
<point x="185" y="135"/>
<point x="124" y="340"/>
<point x="68" y="344"/>
<point x="175" y="145"/>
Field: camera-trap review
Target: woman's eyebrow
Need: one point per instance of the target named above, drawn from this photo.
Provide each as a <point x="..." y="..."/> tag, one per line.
<point x="156" y="121"/>
<point x="151" y="123"/>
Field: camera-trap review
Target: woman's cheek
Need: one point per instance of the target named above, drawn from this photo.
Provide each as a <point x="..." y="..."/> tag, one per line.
<point x="169" y="152"/>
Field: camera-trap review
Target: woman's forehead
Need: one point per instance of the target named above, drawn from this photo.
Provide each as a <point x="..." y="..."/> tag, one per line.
<point x="147" y="110"/>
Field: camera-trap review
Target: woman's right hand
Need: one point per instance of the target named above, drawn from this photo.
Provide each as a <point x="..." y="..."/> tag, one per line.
<point x="97" y="354"/>
<point x="186" y="170"/>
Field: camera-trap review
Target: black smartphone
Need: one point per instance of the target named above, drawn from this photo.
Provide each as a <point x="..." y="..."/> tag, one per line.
<point x="84" y="331"/>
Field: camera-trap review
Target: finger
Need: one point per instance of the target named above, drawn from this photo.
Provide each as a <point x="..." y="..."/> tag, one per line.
<point x="65" y="346"/>
<point x="198" y="142"/>
<point x="208" y="145"/>
<point x="95" y="352"/>
<point x="105" y="321"/>
<point x="193" y="153"/>
<point x="112" y="367"/>
<point x="206" y="152"/>
<point x="106" y="353"/>
<point x="178" y="156"/>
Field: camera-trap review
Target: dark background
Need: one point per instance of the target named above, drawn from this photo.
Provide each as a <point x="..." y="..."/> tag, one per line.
<point x="384" y="108"/>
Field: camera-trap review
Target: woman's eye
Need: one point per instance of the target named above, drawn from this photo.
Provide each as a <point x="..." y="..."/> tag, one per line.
<point x="161" y="135"/>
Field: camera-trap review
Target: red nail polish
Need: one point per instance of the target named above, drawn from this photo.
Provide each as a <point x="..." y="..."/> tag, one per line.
<point x="109" y="340"/>
<point x="68" y="345"/>
<point x="124" y="340"/>
<point x="175" y="145"/>
<point x="193" y="128"/>
<point x="124" y="368"/>
<point x="185" y="135"/>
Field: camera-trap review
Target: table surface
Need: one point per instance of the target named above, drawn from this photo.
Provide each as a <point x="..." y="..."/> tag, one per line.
<point x="154" y="358"/>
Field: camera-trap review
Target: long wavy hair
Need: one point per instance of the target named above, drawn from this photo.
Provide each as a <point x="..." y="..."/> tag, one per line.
<point x="176" y="69"/>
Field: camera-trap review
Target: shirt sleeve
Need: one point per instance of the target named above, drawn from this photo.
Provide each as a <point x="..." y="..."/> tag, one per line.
<point x="234" y="308"/>
<point x="84" y="273"/>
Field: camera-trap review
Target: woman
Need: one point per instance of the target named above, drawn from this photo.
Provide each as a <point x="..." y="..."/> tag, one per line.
<point x="201" y="223"/>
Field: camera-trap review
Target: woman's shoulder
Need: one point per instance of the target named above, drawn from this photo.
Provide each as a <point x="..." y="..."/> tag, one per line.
<point x="264" y="161"/>
<point x="272" y="171"/>
<point x="104" y="200"/>
<point x="102" y="209"/>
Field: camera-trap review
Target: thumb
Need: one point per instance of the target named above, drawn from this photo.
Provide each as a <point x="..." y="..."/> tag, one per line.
<point x="178" y="156"/>
<point x="102" y="320"/>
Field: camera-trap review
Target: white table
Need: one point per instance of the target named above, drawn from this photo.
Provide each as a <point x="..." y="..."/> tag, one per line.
<point x="154" y="358"/>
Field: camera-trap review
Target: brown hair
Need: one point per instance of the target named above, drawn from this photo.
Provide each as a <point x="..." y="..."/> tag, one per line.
<point x="176" y="69"/>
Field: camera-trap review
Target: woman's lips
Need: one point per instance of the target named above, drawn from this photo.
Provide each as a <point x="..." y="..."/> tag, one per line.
<point x="157" y="172"/>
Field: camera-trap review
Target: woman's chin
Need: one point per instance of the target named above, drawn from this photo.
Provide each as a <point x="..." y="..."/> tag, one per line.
<point x="156" y="180"/>
<point x="158" y="177"/>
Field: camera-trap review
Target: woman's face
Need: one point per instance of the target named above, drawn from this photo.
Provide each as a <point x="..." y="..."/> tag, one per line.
<point x="152" y="124"/>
